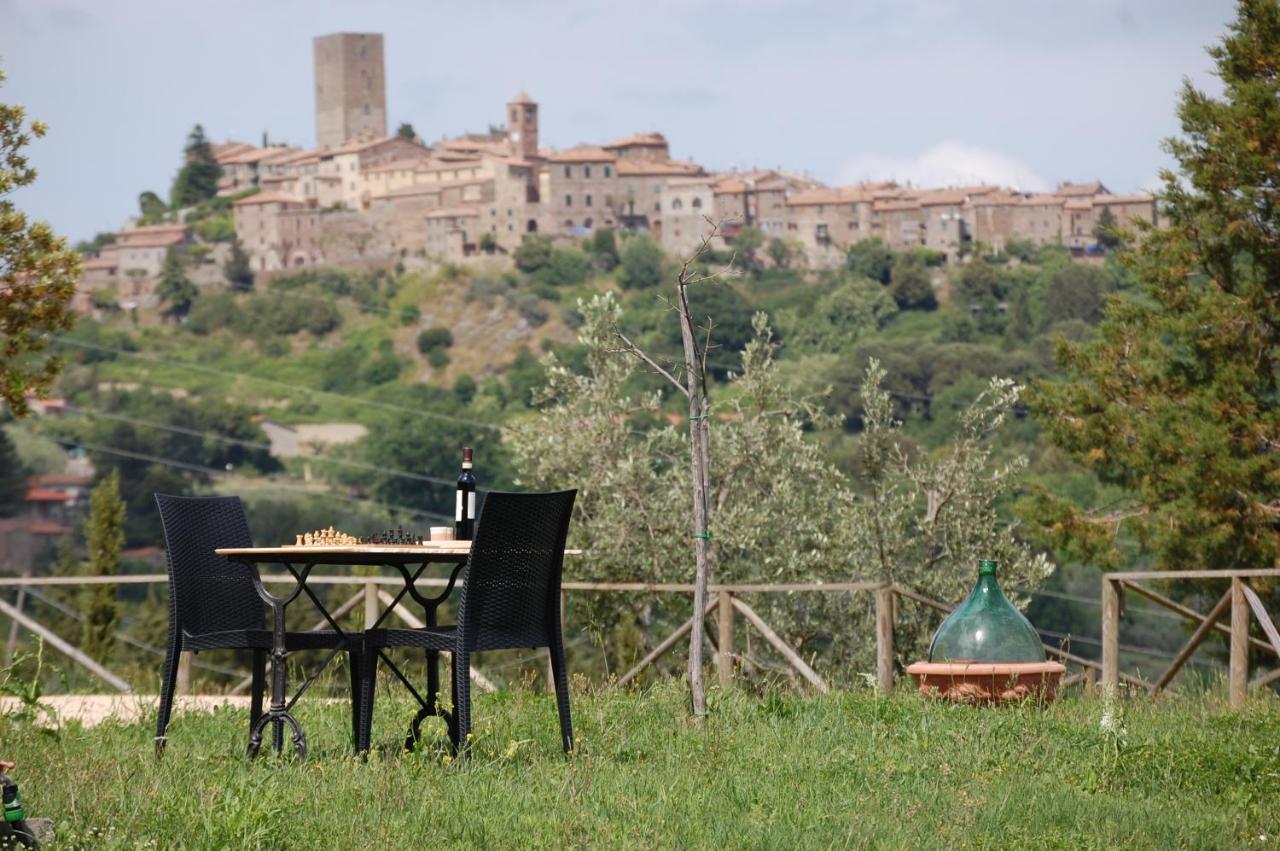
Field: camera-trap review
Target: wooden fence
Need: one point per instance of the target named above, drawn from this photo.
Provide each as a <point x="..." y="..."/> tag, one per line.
<point x="1240" y="598"/>
<point x="725" y="605"/>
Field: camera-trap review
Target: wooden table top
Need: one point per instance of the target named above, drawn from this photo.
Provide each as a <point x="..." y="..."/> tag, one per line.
<point x="358" y="553"/>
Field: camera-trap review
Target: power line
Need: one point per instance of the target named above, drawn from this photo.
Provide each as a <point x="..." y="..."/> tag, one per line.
<point x="198" y="468"/>
<point x="249" y="444"/>
<point x="1093" y="601"/>
<point x="1128" y="648"/>
<point x="371" y="403"/>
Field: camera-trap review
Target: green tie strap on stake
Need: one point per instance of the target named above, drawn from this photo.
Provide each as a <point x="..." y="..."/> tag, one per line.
<point x="697" y="418"/>
<point x="705" y="536"/>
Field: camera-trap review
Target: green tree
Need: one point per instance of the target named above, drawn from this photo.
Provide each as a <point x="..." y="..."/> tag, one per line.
<point x="1105" y="232"/>
<point x="1075" y="291"/>
<point x="533" y="254"/>
<point x="641" y="263"/>
<point x="855" y="307"/>
<point x="236" y="269"/>
<point x="95" y="245"/>
<point x="13" y="478"/>
<point x="603" y="247"/>
<point x="779" y="253"/>
<point x="1019" y="327"/>
<point x="38" y="273"/>
<point x="175" y="290"/>
<point x="748" y="241"/>
<point x="197" y="180"/>
<point x="1176" y="401"/>
<point x="104" y="537"/>
<point x="406" y="131"/>
<point x="437" y="337"/>
<point x="870" y="258"/>
<point x="912" y="285"/>
<point x="151" y="208"/>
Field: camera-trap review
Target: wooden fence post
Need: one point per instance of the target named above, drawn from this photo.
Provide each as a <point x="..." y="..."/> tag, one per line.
<point x="183" y="685"/>
<point x="724" y="650"/>
<point x="1239" y="662"/>
<point x="1110" y="637"/>
<point x="884" y="638"/>
<point x="371" y="609"/>
<point x="11" y="646"/>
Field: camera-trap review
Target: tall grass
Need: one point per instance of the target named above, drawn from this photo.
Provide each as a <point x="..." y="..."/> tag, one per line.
<point x="779" y="771"/>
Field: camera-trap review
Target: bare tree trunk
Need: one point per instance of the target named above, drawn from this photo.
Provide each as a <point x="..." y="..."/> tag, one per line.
<point x="700" y="453"/>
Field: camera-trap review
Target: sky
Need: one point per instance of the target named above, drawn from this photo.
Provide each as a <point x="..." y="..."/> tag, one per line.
<point x="1024" y="93"/>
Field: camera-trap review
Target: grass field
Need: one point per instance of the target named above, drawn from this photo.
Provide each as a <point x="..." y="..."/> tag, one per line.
<point x="846" y="770"/>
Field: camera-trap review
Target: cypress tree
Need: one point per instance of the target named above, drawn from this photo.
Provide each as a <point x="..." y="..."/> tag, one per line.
<point x="13" y="478"/>
<point x="1176" y="400"/>
<point x="104" y="536"/>
<point x="197" y="180"/>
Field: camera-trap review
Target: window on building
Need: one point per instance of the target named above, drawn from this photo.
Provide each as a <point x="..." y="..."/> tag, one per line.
<point x="657" y="206"/>
<point x="587" y="200"/>
<point x="492" y="212"/>
<point x="568" y="223"/>
<point x="587" y="223"/>
<point x="677" y="204"/>
<point x="366" y="109"/>
<point x="528" y="113"/>
<point x="568" y="200"/>
<point x="697" y="204"/>
<point x="515" y="115"/>
<point x="608" y="171"/>
<point x="568" y="171"/>
<point x="586" y="171"/>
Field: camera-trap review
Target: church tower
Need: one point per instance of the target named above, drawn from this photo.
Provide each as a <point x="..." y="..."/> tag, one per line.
<point x="522" y="127"/>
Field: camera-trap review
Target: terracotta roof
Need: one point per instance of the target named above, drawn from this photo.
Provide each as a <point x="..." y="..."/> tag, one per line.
<point x="98" y="263"/>
<point x="268" y="198"/>
<point x="678" y="168"/>
<point x="358" y="145"/>
<point x="638" y="140"/>
<point x="48" y="495"/>
<point x="832" y="195"/>
<point x="896" y="205"/>
<point x="298" y="157"/>
<point x="224" y="150"/>
<point x="522" y="97"/>
<point x="583" y="154"/>
<point x="448" y="165"/>
<point x="1078" y="204"/>
<point x="1041" y="199"/>
<point x="151" y="236"/>
<point x="415" y="189"/>
<point x="1093" y="187"/>
<point x="475" y="146"/>
<point x="1140" y="198"/>
<point x="958" y="195"/>
<point x="996" y="199"/>
<point x="254" y="155"/>
<point x="402" y="164"/>
<point x="454" y="212"/>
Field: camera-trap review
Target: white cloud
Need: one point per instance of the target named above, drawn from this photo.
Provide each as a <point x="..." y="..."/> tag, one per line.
<point x="946" y="164"/>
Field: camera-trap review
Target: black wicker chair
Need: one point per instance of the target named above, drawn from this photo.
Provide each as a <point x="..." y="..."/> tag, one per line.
<point x="214" y="604"/>
<point x="511" y="600"/>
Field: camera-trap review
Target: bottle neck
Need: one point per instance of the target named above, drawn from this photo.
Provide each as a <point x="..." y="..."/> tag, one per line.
<point x="466" y="465"/>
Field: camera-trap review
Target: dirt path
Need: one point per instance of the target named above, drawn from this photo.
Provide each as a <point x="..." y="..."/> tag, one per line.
<point x="91" y="709"/>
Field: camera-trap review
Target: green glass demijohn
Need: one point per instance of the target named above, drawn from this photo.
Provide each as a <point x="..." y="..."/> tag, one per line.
<point x="986" y="627"/>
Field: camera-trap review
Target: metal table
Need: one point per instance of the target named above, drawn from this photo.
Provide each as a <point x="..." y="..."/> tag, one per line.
<point x="299" y="562"/>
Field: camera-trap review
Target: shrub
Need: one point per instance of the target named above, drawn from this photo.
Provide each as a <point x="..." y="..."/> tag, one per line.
<point x="564" y="266"/>
<point x="641" y="263"/>
<point x="533" y="254"/>
<point x="409" y="314"/>
<point x="214" y="312"/>
<point x="434" y="338"/>
<point x="438" y="358"/>
<point x="529" y="306"/>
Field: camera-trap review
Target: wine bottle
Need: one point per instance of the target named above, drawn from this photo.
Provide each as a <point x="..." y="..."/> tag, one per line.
<point x="464" y="512"/>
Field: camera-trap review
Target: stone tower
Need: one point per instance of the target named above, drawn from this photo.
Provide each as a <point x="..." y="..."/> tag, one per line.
<point x="522" y="126"/>
<point x="351" y="91"/>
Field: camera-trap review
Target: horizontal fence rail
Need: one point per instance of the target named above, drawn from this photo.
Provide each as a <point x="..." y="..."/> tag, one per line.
<point x="1240" y="599"/>
<point x="726" y="606"/>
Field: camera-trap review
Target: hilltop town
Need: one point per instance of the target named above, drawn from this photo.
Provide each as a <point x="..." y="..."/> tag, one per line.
<point x="364" y="197"/>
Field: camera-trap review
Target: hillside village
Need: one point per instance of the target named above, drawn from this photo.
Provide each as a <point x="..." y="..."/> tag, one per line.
<point x="364" y="198"/>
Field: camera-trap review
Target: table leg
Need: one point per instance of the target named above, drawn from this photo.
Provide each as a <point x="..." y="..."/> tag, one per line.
<point x="278" y="713"/>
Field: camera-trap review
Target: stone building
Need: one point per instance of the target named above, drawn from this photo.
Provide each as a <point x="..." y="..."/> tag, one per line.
<point x="260" y="231"/>
<point x="687" y="203"/>
<point x="351" y="94"/>
<point x="946" y="219"/>
<point x="579" y="190"/>
<point x="1038" y="219"/>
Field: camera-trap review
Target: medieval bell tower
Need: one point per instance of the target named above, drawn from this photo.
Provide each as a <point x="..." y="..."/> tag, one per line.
<point x="522" y="126"/>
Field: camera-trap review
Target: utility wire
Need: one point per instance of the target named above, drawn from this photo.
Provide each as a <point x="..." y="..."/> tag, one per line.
<point x="1128" y="648"/>
<point x="249" y="444"/>
<point x="197" y="468"/>
<point x="370" y="403"/>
